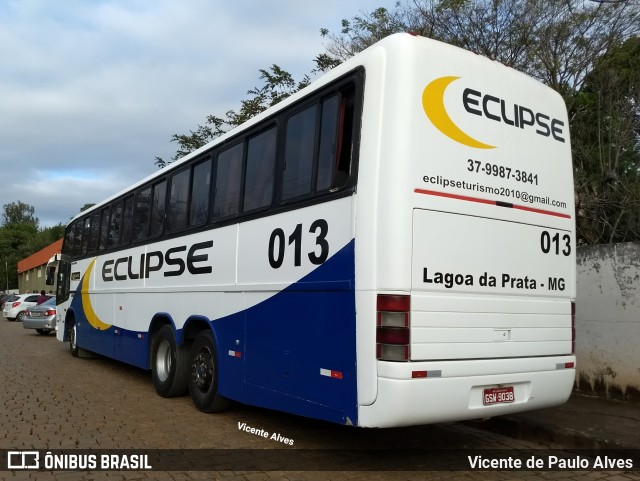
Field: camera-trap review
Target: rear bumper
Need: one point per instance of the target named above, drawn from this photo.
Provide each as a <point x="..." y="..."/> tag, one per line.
<point x="45" y="323"/>
<point x="457" y="395"/>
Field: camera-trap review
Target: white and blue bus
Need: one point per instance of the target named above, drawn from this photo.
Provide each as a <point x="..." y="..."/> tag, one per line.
<point x="393" y="245"/>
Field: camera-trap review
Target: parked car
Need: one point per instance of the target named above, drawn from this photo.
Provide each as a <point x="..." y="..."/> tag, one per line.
<point x="3" y="298"/>
<point x="15" y="306"/>
<point x="42" y="317"/>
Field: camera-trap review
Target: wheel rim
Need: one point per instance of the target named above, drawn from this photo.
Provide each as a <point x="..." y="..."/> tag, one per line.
<point x="163" y="360"/>
<point x="202" y="369"/>
<point x="72" y="337"/>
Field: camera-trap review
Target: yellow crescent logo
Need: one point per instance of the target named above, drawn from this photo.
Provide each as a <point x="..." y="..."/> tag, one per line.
<point x="90" y="314"/>
<point x="433" y="104"/>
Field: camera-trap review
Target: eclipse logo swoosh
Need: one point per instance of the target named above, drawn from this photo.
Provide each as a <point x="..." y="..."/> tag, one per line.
<point x="89" y="313"/>
<point x="433" y="104"/>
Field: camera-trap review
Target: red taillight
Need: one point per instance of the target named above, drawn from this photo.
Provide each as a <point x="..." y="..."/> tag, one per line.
<point x="392" y="333"/>
<point x="573" y="328"/>
<point x="50" y="312"/>
<point x="15" y="304"/>
<point x="26" y="313"/>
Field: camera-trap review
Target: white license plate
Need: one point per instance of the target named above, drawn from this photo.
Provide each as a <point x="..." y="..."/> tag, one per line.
<point x="498" y="395"/>
<point x="36" y="314"/>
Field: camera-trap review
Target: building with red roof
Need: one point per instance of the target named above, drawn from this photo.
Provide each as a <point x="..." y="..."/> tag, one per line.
<point x="38" y="271"/>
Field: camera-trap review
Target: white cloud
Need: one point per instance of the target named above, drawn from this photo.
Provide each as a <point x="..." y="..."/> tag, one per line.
<point x="91" y="92"/>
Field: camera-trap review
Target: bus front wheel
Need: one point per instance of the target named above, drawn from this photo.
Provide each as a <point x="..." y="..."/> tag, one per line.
<point x="203" y="378"/>
<point x="169" y="364"/>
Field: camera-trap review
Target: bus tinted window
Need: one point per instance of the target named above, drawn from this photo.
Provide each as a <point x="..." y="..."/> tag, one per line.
<point x="200" y="186"/>
<point x="86" y="234"/>
<point x="94" y="238"/>
<point x="345" y="138"/>
<point x="226" y="200"/>
<point x="69" y="235"/>
<point x="178" y="201"/>
<point x="298" y="153"/>
<point x="127" y="221"/>
<point x="114" y="225"/>
<point x="104" y="228"/>
<point x="157" y="210"/>
<point x="261" y="159"/>
<point x="141" y="214"/>
<point x="327" y="148"/>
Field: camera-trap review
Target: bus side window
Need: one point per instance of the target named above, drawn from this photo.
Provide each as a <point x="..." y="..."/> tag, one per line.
<point x="114" y="225"/>
<point x="327" y="152"/>
<point x="141" y="214"/>
<point x="259" y="178"/>
<point x="344" y="142"/>
<point x="226" y="198"/>
<point x="299" y="153"/>
<point x="178" y="200"/>
<point x="95" y="232"/>
<point x="104" y="229"/>
<point x="69" y="235"/>
<point x="127" y="221"/>
<point x="158" y="208"/>
<point x="86" y="234"/>
<point x="200" y="188"/>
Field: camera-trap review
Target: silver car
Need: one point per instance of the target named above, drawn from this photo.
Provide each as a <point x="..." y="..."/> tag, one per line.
<point x="42" y="317"/>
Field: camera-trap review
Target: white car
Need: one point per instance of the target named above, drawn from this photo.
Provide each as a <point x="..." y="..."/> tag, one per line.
<point x="15" y="306"/>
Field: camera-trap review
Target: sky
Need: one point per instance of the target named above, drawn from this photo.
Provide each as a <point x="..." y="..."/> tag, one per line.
<point x="91" y="91"/>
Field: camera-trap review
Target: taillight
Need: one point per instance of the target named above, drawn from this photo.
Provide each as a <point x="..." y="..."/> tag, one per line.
<point x="16" y="304"/>
<point x="573" y="328"/>
<point x="26" y="312"/>
<point x="393" y="328"/>
<point x="50" y="312"/>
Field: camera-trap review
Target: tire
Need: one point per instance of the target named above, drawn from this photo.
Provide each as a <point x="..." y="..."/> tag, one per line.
<point x="203" y="378"/>
<point x="44" y="332"/>
<point x="20" y="316"/>
<point x="169" y="364"/>
<point x="73" y="346"/>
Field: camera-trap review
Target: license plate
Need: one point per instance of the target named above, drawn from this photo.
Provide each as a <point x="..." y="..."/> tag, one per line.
<point x="498" y="395"/>
<point x="36" y="314"/>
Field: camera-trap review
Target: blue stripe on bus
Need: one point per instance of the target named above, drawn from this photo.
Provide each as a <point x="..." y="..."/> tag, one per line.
<point x="302" y="332"/>
<point x="306" y="332"/>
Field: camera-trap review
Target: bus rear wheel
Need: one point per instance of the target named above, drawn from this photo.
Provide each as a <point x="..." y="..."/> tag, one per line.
<point x="73" y="346"/>
<point x="169" y="364"/>
<point x="203" y="379"/>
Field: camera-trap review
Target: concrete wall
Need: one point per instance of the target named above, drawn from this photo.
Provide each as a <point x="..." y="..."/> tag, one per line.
<point x="608" y="320"/>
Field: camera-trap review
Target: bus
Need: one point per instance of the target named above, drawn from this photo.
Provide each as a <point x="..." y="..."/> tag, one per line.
<point x="393" y="245"/>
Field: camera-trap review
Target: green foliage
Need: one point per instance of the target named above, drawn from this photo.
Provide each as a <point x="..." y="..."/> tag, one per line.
<point x="19" y="213"/>
<point x="606" y="139"/>
<point x="587" y="51"/>
<point x="20" y="238"/>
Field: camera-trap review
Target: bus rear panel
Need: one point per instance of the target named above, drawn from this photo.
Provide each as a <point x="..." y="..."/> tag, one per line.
<point x="470" y="282"/>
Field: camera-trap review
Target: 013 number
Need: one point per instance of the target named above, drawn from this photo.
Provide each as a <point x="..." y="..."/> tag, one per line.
<point x="278" y="244"/>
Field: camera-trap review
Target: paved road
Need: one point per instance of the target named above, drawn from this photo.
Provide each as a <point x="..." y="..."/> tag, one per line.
<point x="53" y="401"/>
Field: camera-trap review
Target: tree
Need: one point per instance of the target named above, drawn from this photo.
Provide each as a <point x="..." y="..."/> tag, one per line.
<point x="577" y="48"/>
<point x="566" y="44"/>
<point x="278" y="85"/>
<point x="20" y="237"/>
<point x="18" y="213"/>
<point x="606" y="139"/>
